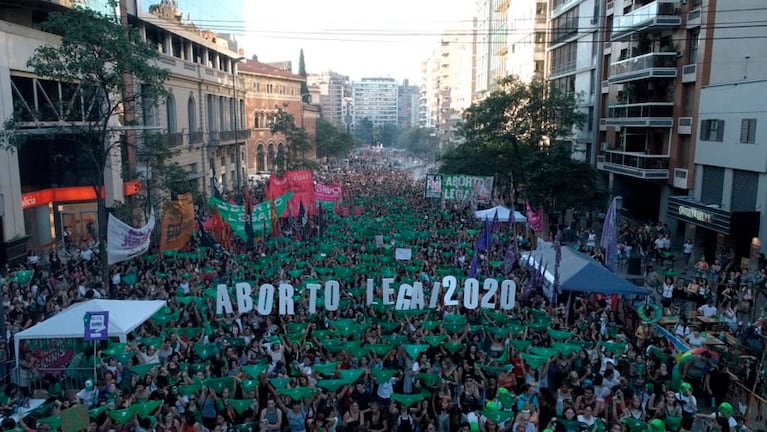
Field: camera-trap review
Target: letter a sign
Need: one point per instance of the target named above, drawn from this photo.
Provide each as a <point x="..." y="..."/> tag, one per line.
<point x="96" y="326"/>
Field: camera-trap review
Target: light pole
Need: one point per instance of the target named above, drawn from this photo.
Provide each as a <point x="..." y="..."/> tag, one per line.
<point x="235" y="113"/>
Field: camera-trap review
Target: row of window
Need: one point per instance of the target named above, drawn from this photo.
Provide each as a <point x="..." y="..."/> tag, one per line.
<point x="713" y="130"/>
<point x="278" y="89"/>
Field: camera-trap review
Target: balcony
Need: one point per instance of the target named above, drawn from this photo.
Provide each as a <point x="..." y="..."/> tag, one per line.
<point x="562" y="69"/>
<point x="647" y="114"/>
<point x="652" y="65"/>
<point x="608" y="48"/>
<point x="540" y="19"/>
<point x="195" y="137"/>
<point x="602" y="124"/>
<point x="654" y="16"/>
<point x="639" y="165"/>
<point x="693" y="19"/>
<point x="605" y="87"/>
<point x="610" y="9"/>
<point x="561" y="6"/>
<point x="689" y="73"/>
<point x="684" y="126"/>
<point x="173" y="139"/>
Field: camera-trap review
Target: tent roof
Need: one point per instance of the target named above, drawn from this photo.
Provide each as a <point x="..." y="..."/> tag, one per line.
<point x="124" y="316"/>
<point x="503" y="214"/>
<point x="578" y="272"/>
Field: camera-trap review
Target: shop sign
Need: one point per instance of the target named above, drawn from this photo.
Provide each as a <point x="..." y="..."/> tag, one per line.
<point x="696" y="214"/>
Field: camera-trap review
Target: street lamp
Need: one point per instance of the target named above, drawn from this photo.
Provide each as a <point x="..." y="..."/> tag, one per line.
<point x="235" y="113"/>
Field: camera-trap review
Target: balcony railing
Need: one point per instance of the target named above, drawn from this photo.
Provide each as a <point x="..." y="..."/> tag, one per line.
<point x="647" y="114"/>
<point x="655" y="15"/>
<point x="689" y="73"/>
<point x="561" y="6"/>
<point x="242" y="134"/>
<point x="693" y="18"/>
<point x="661" y="64"/>
<point x="563" y="68"/>
<point x="640" y="165"/>
<point x="174" y="139"/>
<point x="195" y="137"/>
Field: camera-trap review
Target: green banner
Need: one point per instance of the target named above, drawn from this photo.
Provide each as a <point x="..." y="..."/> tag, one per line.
<point x="467" y="188"/>
<point x="234" y="214"/>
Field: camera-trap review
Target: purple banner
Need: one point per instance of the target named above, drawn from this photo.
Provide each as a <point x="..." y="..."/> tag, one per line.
<point x="96" y="326"/>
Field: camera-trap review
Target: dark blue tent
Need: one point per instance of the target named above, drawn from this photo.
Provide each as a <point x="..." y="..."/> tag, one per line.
<point x="578" y="272"/>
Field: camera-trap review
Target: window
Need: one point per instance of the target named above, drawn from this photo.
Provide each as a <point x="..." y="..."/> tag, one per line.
<point x="694" y="38"/>
<point x="191" y="114"/>
<point x="170" y="108"/>
<point x="712" y="130"/>
<point x="257" y="87"/>
<point x="748" y="131"/>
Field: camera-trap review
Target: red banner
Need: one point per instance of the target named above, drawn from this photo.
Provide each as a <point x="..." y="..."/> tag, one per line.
<point x="301" y="183"/>
<point x="328" y="193"/>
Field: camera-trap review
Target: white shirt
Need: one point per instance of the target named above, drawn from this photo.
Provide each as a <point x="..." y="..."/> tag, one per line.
<point x="688" y="248"/>
<point x="116" y="279"/>
<point x="86" y="254"/>
<point x="681" y="330"/>
<point x="668" y="291"/>
<point x="707" y="310"/>
<point x="696" y="342"/>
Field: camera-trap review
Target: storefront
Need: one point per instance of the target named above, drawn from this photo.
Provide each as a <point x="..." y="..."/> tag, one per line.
<point x="68" y="213"/>
<point x="713" y="230"/>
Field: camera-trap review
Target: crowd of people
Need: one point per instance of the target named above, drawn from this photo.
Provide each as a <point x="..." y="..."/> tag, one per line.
<point x="563" y="367"/>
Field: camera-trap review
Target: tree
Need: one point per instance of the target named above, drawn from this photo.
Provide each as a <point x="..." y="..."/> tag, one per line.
<point x="297" y="141"/>
<point x="332" y="142"/>
<point x="509" y="127"/>
<point x="95" y="54"/>
<point x="305" y="96"/>
<point x="389" y="134"/>
<point x="422" y="142"/>
<point x="364" y="131"/>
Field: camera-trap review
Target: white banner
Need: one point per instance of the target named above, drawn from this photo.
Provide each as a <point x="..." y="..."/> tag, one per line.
<point x="125" y="242"/>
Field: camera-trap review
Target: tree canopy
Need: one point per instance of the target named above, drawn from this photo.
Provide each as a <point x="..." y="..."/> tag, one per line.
<point x="297" y="140"/>
<point x="422" y="142"/>
<point x="513" y="134"/>
<point x="331" y="142"/>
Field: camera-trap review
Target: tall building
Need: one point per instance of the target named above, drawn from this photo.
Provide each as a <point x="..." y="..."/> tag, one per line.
<point x="375" y="99"/>
<point x="491" y="45"/>
<point x="333" y="88"/>
<point x="656" y="59"/>
<point x="573" y="54"/>
<point x="525" y="51"/>
<point x="721" y="68"/>
<point x="408" y="96"/>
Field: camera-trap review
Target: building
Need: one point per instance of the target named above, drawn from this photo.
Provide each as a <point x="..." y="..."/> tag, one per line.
<point x="491" y="45"/>
<point x="42" y="196"/>
<point x="198" y="117"/>
<point x="408" y="97"/>
<point x="654" y="64"/>
<point x="525" y="52"/>
<point x="729" y="192"/>
<point x="573" y="52"/>
<point x="334" y="90"/>
<point x="270" y="89"/>
<point x="375" y="99"/>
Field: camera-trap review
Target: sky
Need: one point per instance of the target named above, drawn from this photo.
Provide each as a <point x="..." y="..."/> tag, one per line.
<point x="358" y="38"/>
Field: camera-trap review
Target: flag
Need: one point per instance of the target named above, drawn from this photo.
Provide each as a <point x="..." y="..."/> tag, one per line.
<point x="534" y="218"/>
<point x="304" y="220"/>
<point x="609" y="240"/>
<point x="484" y="241"/>
<point x="276" y="230"/>
<point x="557" y="261"/>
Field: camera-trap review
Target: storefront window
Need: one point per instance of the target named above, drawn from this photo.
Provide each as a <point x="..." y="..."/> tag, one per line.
<point x="78" y="223"/>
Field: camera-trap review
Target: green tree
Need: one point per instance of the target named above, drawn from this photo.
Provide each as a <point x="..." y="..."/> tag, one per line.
<point x="332" y="142"/>
<point x="419" y="141"/>
<point x="305" y="96"/>
<point x="389" y="134"/>
<point x="163" y="178"/>
<point x="509" y="127"/>
<point x="97" y="54"/>
<point x="297" y="140"/>
<point x="364" y="131"/>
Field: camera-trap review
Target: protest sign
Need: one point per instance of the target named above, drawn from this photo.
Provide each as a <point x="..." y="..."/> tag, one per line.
<point x="234" y="214"/>
<point x="125" y="242"/>
<point x="467" y="188"/>
<point x="178" y="223"/>
<point x="433" y="186"/>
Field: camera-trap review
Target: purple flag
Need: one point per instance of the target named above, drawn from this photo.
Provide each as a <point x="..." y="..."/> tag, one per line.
<point x="484" y="240"/>
<point x="609" y="240"/>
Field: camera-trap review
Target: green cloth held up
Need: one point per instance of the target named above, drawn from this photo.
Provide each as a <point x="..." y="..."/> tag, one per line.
<point x="331" y="384"/>
<point x="383" y="375"/>
<point x="566" y="349"/>
<point x="452" y="347"/>
<point x="122" y="416"/>
<point x="143" y="369"/>
<point x="560" y="334"/>
<point x="521" y="344"/>
<point x="544" y="352"/>
<point x="326" y="369"/>
<point x="279" y="383"/>
<point x="428" y="379"/>
<point x="53" y="421"/>
<point x="188" y="390"/>
<point x="380" y="349"/>
<point x="351" y="375"/>
<point x="297" y="393"/>
<point x="534" y="361"/>
<point x="254" y="371"/>
<point x="435" y="340"/>
<point x="95" y="412"/>
<point x="219" y="384"/>
<point x="413" y="350"/>
<point x="635" y="425"/>
<point x="408" y="399"/>
<point x="249" y="385"/>
<point x="497" y="416"/>
<point x="145" y="409"/>
<point x="240" y="405"/>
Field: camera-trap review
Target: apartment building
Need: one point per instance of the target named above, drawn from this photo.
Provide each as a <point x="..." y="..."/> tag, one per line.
<point x="723" y="209"/>
<point x="269" y="89"/>
<point x="375" y="99"/>
<point x="334" y="89"/>
<point x="526" y="21"/>
<point x="41" y="196"/>
<point x="491" y="45"/>
<point x="656" y="59"/>
<point x="408" y="96"/>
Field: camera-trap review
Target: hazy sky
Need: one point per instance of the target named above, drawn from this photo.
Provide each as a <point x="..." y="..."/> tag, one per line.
<point x="359" y="38"/>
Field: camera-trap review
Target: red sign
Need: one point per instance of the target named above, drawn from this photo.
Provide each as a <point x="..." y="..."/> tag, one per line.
<point x="301" y="183"/>
<point x="328" y="193"/>
<point x="70" y="194"/>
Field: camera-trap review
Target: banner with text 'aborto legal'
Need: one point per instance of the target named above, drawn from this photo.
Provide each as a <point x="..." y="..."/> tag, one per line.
<point x="235" y="216"/>
<point x="301" y="183"/>
<point x="467" y="188"/>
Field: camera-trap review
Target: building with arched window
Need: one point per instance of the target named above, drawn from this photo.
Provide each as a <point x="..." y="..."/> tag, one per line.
<point x="269" y="89"/>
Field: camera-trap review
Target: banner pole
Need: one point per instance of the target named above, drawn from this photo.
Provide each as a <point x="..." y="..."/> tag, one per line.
<point x="94" y="363"/>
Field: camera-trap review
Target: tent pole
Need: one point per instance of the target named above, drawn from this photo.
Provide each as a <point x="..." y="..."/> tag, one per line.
<point x="95" y="381"/>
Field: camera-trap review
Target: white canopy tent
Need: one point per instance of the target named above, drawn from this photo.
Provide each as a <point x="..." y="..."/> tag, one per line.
<point x="124" y="317"/>
<point x="504" y="214"/>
